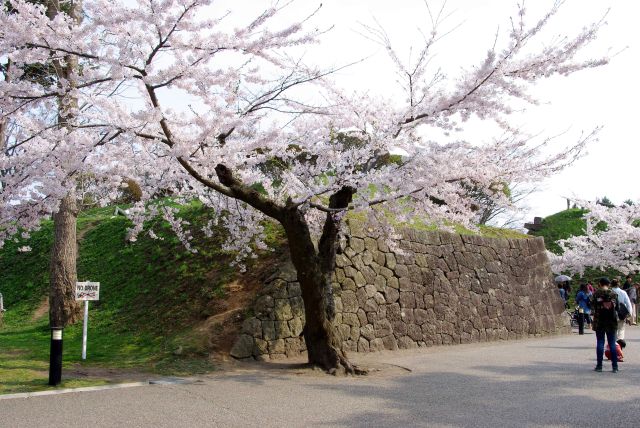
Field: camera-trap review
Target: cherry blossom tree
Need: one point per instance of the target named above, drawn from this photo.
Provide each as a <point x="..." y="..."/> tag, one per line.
<point x="55" y="71"/>
<point x="611" y="240"/>
<point x="170" y="93"/>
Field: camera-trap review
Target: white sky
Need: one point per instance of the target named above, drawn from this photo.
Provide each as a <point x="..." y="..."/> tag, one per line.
<point x="606" y="97"/>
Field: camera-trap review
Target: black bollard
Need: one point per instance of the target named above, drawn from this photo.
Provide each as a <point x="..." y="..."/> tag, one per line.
<point x="55" y="357"/>
<point x="580" y="321"/>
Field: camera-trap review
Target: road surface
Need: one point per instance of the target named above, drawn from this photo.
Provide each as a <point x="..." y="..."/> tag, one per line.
<point x="529" y="383"/>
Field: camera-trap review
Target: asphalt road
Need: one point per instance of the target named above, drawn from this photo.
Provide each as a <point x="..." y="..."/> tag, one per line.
<point x="530" y="383"/>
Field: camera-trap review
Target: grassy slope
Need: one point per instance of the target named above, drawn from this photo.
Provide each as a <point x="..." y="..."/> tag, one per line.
<point x="152" y="294"/>
<point x="561" y="225"/>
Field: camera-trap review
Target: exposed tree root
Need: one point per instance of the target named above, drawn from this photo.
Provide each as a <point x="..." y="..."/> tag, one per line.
<point x="350" y="368"/>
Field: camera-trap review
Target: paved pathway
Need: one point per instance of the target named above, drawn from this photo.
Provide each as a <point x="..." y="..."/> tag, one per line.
<point x="530" y="383"/>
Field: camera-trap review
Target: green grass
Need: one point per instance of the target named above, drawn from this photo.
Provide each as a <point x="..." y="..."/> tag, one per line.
<point x="152" y="293"/>
<point x="561" y="225"/>
<point x="425" y="225"/>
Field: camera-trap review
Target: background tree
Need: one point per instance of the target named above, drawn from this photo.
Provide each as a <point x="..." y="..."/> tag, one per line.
<point x="605" y="202"/>
<point x="611" y="240"/>
<point x="241" y="92"/>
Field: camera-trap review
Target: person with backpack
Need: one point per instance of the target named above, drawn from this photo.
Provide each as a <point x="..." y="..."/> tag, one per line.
<point x="624" y="308"/>
<point x="605" y="322"/>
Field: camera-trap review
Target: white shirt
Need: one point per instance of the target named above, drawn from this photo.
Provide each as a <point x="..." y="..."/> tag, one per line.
<point x="623" y="297"/>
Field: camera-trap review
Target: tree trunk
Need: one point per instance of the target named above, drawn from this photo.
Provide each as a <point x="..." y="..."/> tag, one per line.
<point x="323" y="345"/>
<point x="63" y="308"/>
<point x="314" y="269"/>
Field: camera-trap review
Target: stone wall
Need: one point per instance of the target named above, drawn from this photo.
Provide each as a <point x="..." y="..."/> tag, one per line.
<point x="422" y="289"/>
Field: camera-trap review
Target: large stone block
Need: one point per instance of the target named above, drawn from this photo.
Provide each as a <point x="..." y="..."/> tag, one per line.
<point x="415" y="274"/>
<point x="363" y="345"/>
<point x="362" y="297"/>
<point x="406" y="342"/>
<point x="362" y="316"/>
<point x="292" y="347"/>
<point x="351" y="320"/>
<point x="296" y="325"/>
<point x="390" y="342"/>
<point x="264" y="307"/>
<point x="414" y="332"/>
<point x="394" y="313"/>
<point x="282" y="329"/>
<point x="380" y="283"/>
<point x="277" y="346"/>
<point x="369" y="274"/>
<point x="406" y="284"/>
<point x="421" y="316"/>
<point x="349" y="301"/>
<point x="371" y="244"/>
<point x="376" y="345"/>
<point x="243" y="347"/>
<point x="367" y="257"/>
<point x="383" y="246"/>
<point x="349" y="284"/>
<point x="399" y="328"/>
<point x="370" y="289"/>
<point x="269" y="330"/>
<point x="357" y="244"/>
<point x="252" y="326"/>
<point x="261" y="347"/>
<point x="401" y="271"/>
<point x="344" y="331"/>
<point x="342" y="260"/>
<point x="297" y="306"/>
<point x="393" y="283"/>
<point x="368" y="332"/>
<point x="283" y="309"/>
<point x="391" y="295"/>
<point x="407" y="300"/>
<point x="382" y="328"/>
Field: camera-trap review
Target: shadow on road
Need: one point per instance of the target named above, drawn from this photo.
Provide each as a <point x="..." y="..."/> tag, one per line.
<point x="562" y="394"/>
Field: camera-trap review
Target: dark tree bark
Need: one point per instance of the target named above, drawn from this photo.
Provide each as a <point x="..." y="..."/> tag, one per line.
<point x="315" y="268"/>
<point x="63" y="308"/>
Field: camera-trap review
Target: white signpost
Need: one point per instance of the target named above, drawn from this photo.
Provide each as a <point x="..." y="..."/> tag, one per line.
<point x="86" y="291"/>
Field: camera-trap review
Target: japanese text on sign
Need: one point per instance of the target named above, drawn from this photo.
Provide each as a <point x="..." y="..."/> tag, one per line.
<point x="87" y="291"/>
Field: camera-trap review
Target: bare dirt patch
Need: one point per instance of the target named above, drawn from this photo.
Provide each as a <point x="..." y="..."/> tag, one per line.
<point x="111" y="375"/>
<point x="41" y="310"/>
<point x="222" y="328"/>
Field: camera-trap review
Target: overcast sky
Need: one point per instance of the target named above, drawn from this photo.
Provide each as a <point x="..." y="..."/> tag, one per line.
<point x="606" y="97"/>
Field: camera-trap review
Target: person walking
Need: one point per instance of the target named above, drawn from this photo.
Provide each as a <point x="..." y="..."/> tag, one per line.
<point x="563" y="294"/>
<point x="636" y="287"/>
<point x="583" y="301"/>
<point x="623" y="299"/>
<point x="632" y="292"/>
<point x="605" y="322"/>
<point x="567" y="293"/>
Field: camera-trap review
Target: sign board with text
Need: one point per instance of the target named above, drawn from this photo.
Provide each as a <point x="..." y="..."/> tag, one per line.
<point x="87" y="290"/>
